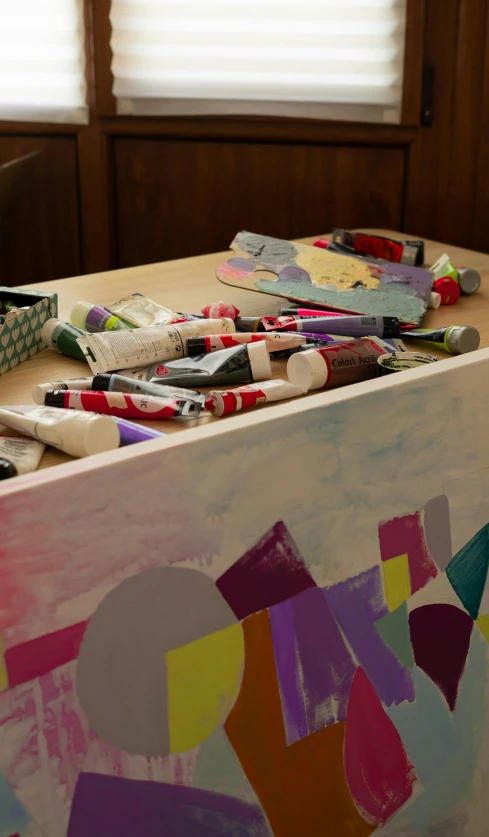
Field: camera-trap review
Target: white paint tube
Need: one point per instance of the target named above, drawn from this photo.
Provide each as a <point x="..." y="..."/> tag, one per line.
<point x="73" y="432"/>
<point x="113" y="350"/>
<point x="19" y="455"/>
<point x="40" y="390"/>
<point x="233" y="400"/>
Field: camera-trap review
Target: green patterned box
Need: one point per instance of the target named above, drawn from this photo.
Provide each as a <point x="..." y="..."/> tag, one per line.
<point x="20" y="338"/>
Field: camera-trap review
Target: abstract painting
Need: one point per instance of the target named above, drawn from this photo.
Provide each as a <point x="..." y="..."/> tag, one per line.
<point x="274" y="631"/>
<point x="312" y="275"/>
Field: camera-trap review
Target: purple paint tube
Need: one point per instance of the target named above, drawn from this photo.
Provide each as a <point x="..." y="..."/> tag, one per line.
<point x="349" y="326"/>
<point x="131" y="433"/>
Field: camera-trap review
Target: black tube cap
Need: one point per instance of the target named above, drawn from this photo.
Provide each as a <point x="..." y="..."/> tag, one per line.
<point x="195" y="346"/>
<point x="392" y="327"/>
<point x="7" y="469"/>
<point x="101" y="383"/>
<point x="55" y="398"/>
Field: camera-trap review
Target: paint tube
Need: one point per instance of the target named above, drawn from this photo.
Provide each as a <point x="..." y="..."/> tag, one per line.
<point x="444" y="267"/>
<point x="19" y="455"/>
<point x="261" y="324"/>
<point x="78" y="434"/>
<point x="63" y="337"/>
<point x="469" y="280"/>
<point x="349" y="326"/>
<point x="233" y="400"/>
<point x="142" y="312"/>
<point x="402" y="361"/>
<point x="343" y="363"/>
<point x="378" y="246"/>
<point x="95" y="318"/>
<point x="132" y="433"/>
<point x="40" y="390"/>
<point x="448" y="289"/>
<point x="454" y="339"/>
<point x="122" y="405"/>
<point x="276" y="342"/>
<point x="238" y="365"/>
<point x="113" y="350"/>
<point x="309" y="312"/>
<point x="119" y="383"/>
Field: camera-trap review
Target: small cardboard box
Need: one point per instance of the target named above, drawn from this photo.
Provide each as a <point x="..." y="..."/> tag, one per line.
<point x="20" y="337"/>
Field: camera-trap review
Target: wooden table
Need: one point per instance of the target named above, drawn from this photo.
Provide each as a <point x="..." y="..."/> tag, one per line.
<point x="190" y="284"/>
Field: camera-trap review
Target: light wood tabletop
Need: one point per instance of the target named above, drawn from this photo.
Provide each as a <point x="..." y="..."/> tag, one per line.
<point x="187" y="285"/>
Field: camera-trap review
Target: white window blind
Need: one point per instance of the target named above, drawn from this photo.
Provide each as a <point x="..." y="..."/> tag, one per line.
<point x="42" y="61"/>
<point x="300" y="57"/>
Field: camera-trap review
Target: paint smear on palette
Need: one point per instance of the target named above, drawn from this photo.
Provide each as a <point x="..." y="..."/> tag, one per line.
<point x="405" y="535"/>
<point x="357" y="604"/>
<point x="437" y="530"/>
<point x="443" y="746"/>
<point x="270" y="572"/>
<point x="467" y="572"/>
<point x="38" y="656"/>
<point x="314" y="667"/>
<point x="13" y="817"/>
<point x="440" y="638"/>
<point x="108" y="806"/>
<point x="302" y="788"/>
<point x="379" y="773"/>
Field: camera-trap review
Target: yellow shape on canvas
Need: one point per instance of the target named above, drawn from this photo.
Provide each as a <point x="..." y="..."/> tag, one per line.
<point x="204" y="678"/>
<point x="3" y="667"/>
<point x="483" y="623"/>
<point x="397" y="581"/>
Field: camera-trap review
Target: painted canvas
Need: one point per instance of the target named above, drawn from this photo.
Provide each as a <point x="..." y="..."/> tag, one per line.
<point x="308" y="274"/>
<point x="277" y="628"/>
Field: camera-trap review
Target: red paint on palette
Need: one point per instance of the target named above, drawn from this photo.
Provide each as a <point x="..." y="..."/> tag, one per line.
<point x="36" y="657"/>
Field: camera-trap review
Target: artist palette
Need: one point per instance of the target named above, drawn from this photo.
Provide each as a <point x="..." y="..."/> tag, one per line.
<point x="308" y="274"/>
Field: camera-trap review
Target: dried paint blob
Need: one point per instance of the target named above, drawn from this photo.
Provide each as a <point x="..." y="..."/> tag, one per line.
<point x="161" y="662"/>
<point x="291" y="273"/>
<point x="268" y="251"/>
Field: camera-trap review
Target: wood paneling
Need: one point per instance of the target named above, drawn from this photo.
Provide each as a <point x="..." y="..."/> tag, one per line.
<point x="44" y="243"/>
<point x="177" y="199"/>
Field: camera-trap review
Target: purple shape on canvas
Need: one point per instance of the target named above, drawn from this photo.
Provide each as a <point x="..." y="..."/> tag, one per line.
<point x="356" y="604"/>
<point x="270" y="572"/>
<point x="314" y="667"/>
<point x="108" y="806"/>
<point x="405" y="535"/>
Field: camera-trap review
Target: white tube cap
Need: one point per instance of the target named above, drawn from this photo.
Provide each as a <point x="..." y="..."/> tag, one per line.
<point x="47" y="331"/>
<point x="308" y="370"/>
<point x="462" y="339"/>
<point x="434" y="300"/>
<point x="259" y="361"/>
<point x="79" y="313"/>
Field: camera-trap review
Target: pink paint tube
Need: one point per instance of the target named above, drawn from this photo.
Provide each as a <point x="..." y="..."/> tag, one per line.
<point x="310" y="312"/>
<point x="343" y="363"/>
<point x="123" y="405"/>
<point x="233" y="400"/>
<point x="276" y="342"/>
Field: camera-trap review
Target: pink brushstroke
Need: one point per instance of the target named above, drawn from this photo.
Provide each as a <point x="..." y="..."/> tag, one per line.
<point x="378" y="771"/>
<point x="406" y="535"/>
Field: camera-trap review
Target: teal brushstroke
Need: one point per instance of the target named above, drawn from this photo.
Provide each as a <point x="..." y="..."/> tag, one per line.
<point x="219" y="770"/>
<point x="443" y="748"/>
<point x="387" y="300"/>
<point x="14" y="819"/>
<point x="467" y="571"/>
<point x="394" y="630"/>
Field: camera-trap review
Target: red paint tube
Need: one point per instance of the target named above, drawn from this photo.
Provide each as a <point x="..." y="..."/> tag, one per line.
<point x="276" y="342"/>
<point x="380" y="247"/>
<point x="331" y="366"/>
<point x="123" y="405"/>
<point x="241" y="398"/>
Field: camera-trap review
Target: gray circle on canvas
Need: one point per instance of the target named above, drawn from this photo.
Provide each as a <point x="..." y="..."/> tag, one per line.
<point x="121" y="675"/>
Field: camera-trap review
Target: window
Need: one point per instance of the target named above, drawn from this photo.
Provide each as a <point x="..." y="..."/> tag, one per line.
<point x="42" y="61"/>
<point x="324" y="58"/>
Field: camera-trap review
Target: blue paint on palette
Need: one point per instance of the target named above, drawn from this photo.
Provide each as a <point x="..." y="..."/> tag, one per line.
<point x="14" y="819"/>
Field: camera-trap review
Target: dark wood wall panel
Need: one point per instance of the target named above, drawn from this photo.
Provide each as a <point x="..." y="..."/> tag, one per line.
<point x="183" y="198"/>
<point x="45" y="242"/>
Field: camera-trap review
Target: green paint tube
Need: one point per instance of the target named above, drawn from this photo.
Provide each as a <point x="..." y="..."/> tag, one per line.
<point x="454" y="339"/>
<point x="63" y="338"/>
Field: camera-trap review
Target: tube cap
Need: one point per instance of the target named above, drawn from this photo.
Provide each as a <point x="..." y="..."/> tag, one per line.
<point x="259" y="358"/>
<point x="47" y="331"/>
<point x="435" y="300"/>
<point x="448" y="288"/>
<point x="79" y="313"/>
<point x="196" y="346"/>
<point x="308" y="370"/>
<point x="392" y="327"/>
<point x="462" y="339"/>
<point x="101" y="383"/>
<point x="7" y="469"/>
<point x="469" y="280"/>
<point x="54" y="398"/>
